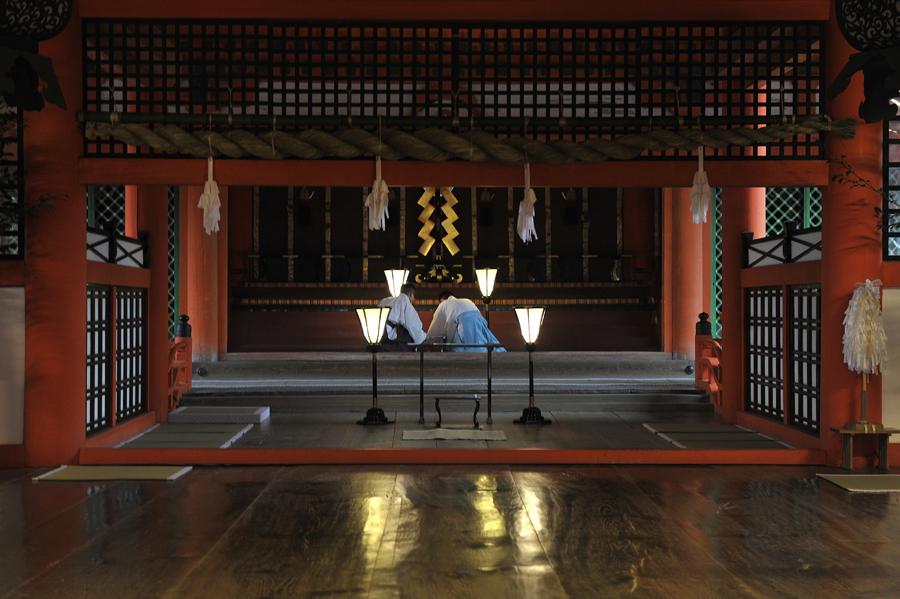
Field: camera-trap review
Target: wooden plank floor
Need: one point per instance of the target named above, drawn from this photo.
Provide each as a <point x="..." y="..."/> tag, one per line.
<point x="450" y="531"/>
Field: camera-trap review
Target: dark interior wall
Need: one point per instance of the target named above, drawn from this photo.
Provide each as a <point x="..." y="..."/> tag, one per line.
<point x="587" y="317"/>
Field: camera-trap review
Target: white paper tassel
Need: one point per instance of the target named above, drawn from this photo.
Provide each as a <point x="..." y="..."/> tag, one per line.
<point x="865" y="342"/>
<point x="209" y="201"/>
<point x="525" y="224"/>
<point x="377" y="200"/>
<point x="700" y="192"/>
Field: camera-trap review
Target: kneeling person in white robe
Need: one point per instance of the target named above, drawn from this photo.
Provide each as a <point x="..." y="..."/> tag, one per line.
<point x="404" y="325"/>
<point x="460" y="321"/>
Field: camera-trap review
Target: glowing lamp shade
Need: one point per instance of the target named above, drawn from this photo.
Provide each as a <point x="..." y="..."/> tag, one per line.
<point x="530" y="320"/>
<point x="373" y="321"/>
<point x="396" y="279"/>
<point x="486" y="278"/>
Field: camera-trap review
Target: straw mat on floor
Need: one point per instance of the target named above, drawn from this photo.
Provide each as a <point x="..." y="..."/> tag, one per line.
<point x="865" y="483"/>
<point x="94" y="473"/>
<point x="713" y="436"/>
<point x="182" y="436"/>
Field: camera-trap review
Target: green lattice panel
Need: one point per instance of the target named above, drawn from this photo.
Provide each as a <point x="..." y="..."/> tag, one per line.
<point x="800" y="204"/>
<point x="173" y="259"/>
<point x="715" y="317"/>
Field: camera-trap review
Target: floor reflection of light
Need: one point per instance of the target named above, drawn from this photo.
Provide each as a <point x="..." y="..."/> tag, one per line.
<point x="373" y="529"/>
<point x="492" y="523"/>
<point x="533" y="516"/>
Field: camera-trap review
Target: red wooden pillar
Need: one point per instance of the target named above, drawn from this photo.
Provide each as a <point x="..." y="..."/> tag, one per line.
<point x="666" y="295"/>
<point x="131" y="211"/>
<point x="202" y="290"/>
<point x="152" y="217"/>
<point x="56" y="269"/>
<point x="743" y="209"/>
<point x="851" y="249"/>
<point x="687" y="274"/>
<point x="222" y="287"/>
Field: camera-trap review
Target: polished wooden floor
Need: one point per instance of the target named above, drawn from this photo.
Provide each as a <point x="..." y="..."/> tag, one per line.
<point x="450" y="531"/>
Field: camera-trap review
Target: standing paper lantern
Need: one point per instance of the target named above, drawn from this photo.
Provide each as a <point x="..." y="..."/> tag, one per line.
<point x="486" y="278"/>
<point x="396" y="278"/>
<point x="373" y="321"/>
<point x="530" y="320"/>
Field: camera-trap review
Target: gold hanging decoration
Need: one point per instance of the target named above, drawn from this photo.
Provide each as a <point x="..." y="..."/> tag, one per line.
<point x="450" y="232"/>
<point x="425" y="219"/>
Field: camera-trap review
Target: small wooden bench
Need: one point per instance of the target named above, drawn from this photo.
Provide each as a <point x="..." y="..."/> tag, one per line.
<point x="884" y="438"/>
<point x="437" y="405"/>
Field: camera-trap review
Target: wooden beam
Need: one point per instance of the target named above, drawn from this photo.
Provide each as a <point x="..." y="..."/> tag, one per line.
<point x="731" y="173"/>
<point x="397" y="11"/>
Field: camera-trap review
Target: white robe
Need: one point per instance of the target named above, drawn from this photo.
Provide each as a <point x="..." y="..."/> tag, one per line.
<point x="446" y="317"/>
<point x="403" y="313"/>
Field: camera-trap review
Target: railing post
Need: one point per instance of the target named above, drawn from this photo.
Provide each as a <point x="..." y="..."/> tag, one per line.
<point x="790" y="229"/>
<point x="703" y="332"/>
<point x="746" y="238"/>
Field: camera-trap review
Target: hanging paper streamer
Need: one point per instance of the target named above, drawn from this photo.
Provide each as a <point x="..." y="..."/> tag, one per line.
<point x="525" y="224"/>
<point x="700" y="192"/>
<point x="425" y="219"/>
<point x="450" y="232"/>
<point x="209" y="201"/>
<point x="865" y="341"/>
<point x="377" y="200"/>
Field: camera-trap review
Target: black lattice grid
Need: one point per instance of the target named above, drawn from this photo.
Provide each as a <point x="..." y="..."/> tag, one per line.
<point x="891" y="204"/>
<point x="98" y="359"/>
<point x="173" y="259"/>
<point x="804" y="355"/>
<point x="12" y="183"/>
<point x="281" y="68"/>
<point x="765" y="380"/>
<point x="131" y="324"/>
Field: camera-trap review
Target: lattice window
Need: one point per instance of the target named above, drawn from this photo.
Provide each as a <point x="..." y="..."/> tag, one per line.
<point x="804" y="355"/>
<point x="285" y="68"/>
<point x="765" y="380"/>
<point x="99" y="350"/>
<point x="12" y="183"/>
<point x="106" y="207"/>
<point x="715" y="295"/>
<point x="173" y="259"/>
<point x="131" y="324"/>
<point x="800" y="204"/>
<point x="891" y="204"/>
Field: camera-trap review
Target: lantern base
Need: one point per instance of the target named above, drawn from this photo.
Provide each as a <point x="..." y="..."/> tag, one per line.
<point x="532" y="416"/>
<point x="375" y="416"/>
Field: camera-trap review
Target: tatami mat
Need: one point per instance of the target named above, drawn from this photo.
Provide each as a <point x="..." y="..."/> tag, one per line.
<point x="192" y="436"/>
<point x="218" y="414"/>
<point x="96" y="473"/>
<point x="713" y="436"/>
<point x="865" y="483"/>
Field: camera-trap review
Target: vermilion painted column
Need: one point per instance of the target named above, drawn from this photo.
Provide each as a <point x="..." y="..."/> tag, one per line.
<point x="152" y="217"/>
<point x="222" y="249"/>
<point x="202" y="279"/>
<point x="56" y="269"/>
<point x="131" y="211"/>
<point x="743" y="209"/>
<point x="851" y="249"/>
<point x="687" y="274"/>
<point x="666" y="295"/>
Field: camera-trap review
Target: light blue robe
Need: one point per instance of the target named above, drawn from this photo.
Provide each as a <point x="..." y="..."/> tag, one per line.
<point x="474" y="330"/>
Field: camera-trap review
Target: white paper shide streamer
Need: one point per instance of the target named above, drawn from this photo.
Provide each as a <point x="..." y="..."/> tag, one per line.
<point x="377" y="200"/>
<point x="700" y="192"/>
<point x="865" y="342"/>
<point x="525" y="225"/>
<point x="210" y="202"/>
